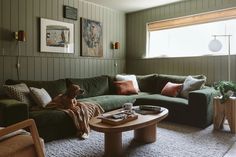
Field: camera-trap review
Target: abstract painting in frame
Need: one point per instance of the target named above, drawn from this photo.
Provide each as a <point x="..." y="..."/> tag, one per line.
<point x="91" y="38"/>
<point x="56" y="36"/>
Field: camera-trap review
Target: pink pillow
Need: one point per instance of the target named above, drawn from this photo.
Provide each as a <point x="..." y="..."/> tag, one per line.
<point x="125" y="87"/>
<point x="171" y="89"/>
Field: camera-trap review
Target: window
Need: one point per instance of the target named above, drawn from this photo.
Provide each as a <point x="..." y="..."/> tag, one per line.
<point x="190" y="36"/>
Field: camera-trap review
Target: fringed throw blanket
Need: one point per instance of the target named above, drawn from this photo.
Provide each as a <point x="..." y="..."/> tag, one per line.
<point x="80" y="112"/>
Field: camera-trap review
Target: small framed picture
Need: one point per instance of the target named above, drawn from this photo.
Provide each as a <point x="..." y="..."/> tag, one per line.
<point x="56" y="36"/>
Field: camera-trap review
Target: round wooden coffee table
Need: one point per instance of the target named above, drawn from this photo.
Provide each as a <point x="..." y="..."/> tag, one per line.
<point x="144" y="130"/>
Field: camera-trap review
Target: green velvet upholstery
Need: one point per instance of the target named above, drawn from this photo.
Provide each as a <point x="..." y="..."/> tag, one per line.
<point x="178" y="107"/>
<point x="94" y="86"/>
<point x="54" y="124"/>
<point x="111" y="102"/>
<point x="147" y="83"/>
<point x="12" y="111"/>
<point x="201" y="106"/>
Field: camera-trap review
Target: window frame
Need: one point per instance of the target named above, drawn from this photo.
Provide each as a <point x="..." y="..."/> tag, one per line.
<point x="212" y="16"/>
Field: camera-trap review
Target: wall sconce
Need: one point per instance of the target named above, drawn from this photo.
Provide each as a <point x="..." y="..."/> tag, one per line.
<point x="20" y="36"/>
<point x="115" y="45"/>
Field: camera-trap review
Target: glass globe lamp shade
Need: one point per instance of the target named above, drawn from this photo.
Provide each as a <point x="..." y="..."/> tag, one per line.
<point x="215" y="45"/>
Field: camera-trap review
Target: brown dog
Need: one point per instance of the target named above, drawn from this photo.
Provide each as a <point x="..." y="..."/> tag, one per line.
<point x="80" y="112"/>
<point x="68" y="99"/>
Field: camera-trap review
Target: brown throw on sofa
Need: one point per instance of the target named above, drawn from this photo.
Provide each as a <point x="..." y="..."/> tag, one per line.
<point x="81" y="113"/>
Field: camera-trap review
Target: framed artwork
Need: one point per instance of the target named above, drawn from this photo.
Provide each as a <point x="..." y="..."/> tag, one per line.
<point x="91" y="38"/>
<point x="56" y="36"/>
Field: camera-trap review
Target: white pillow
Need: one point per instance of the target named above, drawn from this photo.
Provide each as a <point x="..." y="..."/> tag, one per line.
<point x="40" y="96"/>
<point x="191" y="84"/>
<point x="128" y="78"/>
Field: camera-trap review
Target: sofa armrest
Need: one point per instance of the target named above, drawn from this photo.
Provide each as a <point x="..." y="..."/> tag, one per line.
<point x="12" y="111"/>
<point x="201" y="106"/>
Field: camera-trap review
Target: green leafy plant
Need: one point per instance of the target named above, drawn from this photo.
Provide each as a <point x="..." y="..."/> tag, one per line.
<point x="226" y="89"/>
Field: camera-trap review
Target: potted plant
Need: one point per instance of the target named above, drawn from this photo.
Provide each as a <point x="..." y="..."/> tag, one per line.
<point x="226" y="89"/>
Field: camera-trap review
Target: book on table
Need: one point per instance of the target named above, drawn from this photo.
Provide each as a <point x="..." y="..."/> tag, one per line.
<point x="148" y="109"/>
<point x="118" y="118"/>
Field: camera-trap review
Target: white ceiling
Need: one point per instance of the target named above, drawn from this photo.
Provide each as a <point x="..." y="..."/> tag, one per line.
<point x="131" y="5"/>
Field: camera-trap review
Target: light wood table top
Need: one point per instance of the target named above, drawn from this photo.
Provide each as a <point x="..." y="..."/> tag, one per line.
<point x="142" y="121"/>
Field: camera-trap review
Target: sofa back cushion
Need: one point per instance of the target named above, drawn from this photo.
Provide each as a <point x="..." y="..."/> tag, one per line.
<point x="147" y="83"/>
<point x="53" y="88"/>
<point x="163" y="79"/>
<point x="93" y="86"/>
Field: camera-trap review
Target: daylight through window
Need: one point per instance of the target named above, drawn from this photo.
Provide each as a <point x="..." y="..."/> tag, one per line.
<point x="191" y="40"/>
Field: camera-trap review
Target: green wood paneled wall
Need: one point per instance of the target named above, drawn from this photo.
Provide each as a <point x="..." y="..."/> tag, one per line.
<point x="214" y="67"/>
<point x="24" y="15"/>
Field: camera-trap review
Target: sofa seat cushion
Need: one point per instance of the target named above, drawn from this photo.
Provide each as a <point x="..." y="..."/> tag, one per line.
<point x="178" y="107"/>
<point x="48" y="117"/>
<point x="112" y="102"/>
<point x="161" y="99"/>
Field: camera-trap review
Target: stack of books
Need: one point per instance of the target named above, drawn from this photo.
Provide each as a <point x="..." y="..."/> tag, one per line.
<point x="119" y="117"/>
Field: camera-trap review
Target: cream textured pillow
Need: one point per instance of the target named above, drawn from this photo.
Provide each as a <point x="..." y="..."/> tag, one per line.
<point x="40" y="96"/>
<point x="129" y="78"/>
<point x="191" y="84"/>
<point x="19" y="92"/>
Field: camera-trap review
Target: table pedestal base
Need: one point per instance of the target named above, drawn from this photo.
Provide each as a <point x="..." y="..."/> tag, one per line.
<point x="146" y="134"/>
<point x="113" y="144"/>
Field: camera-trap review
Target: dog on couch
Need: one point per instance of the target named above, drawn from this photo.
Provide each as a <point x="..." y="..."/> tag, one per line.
<point x="68" y="99"/>
<point x="80" y="112"/>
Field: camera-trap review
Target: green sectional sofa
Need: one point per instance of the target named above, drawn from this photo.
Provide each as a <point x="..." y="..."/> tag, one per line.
<point x="54" y="124"/>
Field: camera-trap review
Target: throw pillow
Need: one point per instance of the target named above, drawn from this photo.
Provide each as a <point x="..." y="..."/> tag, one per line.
<point x="19" y="92"/>
<point x="171" y="89"/>
<point x="129" y="78"/>
<point x="40" y="96"/>
<point x="191" y="84"/>
<point x="125" y="87"/>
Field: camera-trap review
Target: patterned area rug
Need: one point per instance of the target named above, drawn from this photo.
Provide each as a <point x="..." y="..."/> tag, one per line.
<point x="173" y="140"/>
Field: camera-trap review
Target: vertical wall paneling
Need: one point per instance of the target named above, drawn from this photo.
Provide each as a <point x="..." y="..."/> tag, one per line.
<point x="44" y="67"/>
<point x="22" y="24"/>
<point x="1" y="49"/>
<point x="14" y="24"/>
<point x="25" y="15"/>
<point x="1" y="69"/>
<point x="56" y="68"/>
<point x="29" y="27"/>
<point x="54" y="9"/>
<point x="6" y="25"/>
<point x="62" y="68"/>
<point x="214" y="67"/>
<point x="23" y="68"/>
<point x="37" y="68"/>
<point x="30" y="68"/>
<point x="50" y="72"/>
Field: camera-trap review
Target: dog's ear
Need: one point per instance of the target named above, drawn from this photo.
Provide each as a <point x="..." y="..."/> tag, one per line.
<point x="68" y="83"/>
